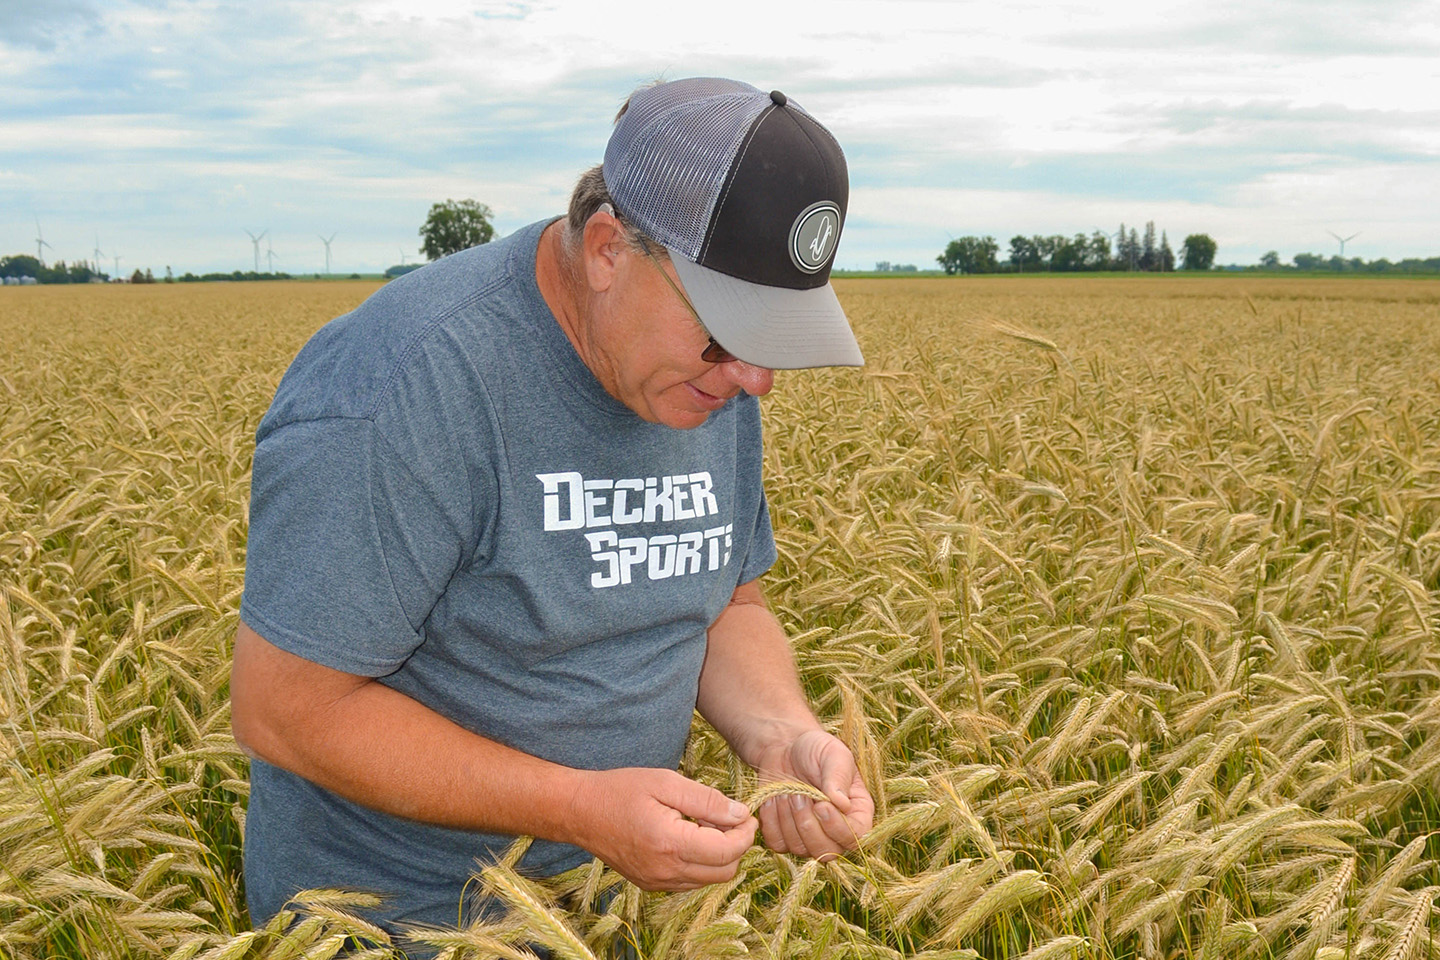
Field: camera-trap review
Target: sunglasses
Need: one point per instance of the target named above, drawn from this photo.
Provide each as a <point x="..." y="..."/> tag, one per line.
<point x="713" y="352"/>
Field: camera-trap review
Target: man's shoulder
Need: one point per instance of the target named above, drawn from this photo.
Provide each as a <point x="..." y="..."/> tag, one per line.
<point x="437" y="323"/>
<point x="450" y="283"/>
<point x="483" y="285"/>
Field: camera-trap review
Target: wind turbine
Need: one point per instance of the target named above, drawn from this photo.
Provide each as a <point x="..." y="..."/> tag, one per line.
<point x="40" y="243"/>
<point x="1107" y="235"/>
<point x="269" y="257"/>
<point x="327" y="252"/>
<point x="98" y="254"/>
<point x="402" y="255"/>
<point x="256" y="242"/>
<point x="1343" y="240"/>
<point x="117" y="258"/>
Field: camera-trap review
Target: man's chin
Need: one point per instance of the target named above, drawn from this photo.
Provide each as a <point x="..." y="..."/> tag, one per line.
<point x="684" y="419"/>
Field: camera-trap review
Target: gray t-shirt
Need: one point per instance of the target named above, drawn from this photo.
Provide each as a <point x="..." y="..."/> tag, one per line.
<point x="446" y="499"/>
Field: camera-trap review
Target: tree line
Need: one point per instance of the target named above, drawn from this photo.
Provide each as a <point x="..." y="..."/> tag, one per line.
<point x="1057" y="253"/>
<point x="23" y="265"/>
<point x="449" y="227"/>
<point x="1337" y="264"/>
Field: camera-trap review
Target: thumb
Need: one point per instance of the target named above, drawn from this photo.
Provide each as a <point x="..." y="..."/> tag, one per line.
<point x="706" y="804"/>
<point x="837" y="775"/>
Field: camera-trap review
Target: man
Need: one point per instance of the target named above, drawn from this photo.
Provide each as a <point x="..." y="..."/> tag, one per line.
<point x="506" y="524"/>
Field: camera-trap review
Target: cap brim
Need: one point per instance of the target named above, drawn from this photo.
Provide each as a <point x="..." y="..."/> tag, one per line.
<point x="773" y="327"/>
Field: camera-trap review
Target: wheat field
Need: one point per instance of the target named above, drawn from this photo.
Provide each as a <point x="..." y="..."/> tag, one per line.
<point x="1124" y="592"/>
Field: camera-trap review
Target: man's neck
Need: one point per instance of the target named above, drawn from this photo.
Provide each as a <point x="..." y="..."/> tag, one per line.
<point x="555" y="276"/>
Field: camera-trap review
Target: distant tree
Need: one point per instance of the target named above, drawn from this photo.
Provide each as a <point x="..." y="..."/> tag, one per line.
<point x="1024" y="253"/>
<point x="1127" y="249"/>
<point x="401" y="269"/>
<point x="987" y="253"/>
<point x="61" y="272"/>
<point x="1309" y="261"/>
<point x="1098" y="256"/>
<point x="970" y="255"/>
<point x="455" y="225"/>
<point x="1149" y="254"/>
<point x="19" y="265"/>
<point x="1167" y="256"/>
<point x="1070" y="254"/>
<point x="1270" y="260"/>
<point x="1047" y="247"/>
<point x="1198" y="251"/>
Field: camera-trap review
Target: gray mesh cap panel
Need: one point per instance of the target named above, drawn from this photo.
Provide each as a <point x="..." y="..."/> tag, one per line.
<point x="668" y="158"/>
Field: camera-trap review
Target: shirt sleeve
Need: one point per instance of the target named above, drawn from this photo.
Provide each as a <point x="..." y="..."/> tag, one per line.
<point x="348" y="549"/>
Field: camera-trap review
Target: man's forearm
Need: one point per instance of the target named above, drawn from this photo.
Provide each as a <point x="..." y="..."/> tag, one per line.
<point x="749" y="689"/>
<point x="379" y="748"/>
<point x="750" y="692"/>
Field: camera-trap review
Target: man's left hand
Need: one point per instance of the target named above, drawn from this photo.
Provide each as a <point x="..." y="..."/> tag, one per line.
<point x="813" y="828"/>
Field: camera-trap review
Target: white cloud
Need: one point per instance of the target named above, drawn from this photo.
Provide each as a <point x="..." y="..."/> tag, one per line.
<point x="1254" y="122"/>
<point x="79" y="134"/>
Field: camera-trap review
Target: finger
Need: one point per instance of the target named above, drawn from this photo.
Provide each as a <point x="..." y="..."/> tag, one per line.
<point x="860" y="793"/>
<point x="722" y="827"/>
<point x="839" y="777"/>
<point x="785" y="812"/>
<point x="847" y="826"/>
<point x="699" y="802"/>
<point x="812" y="832"/>
<point x="770" y="824"/>
<point x="862" y="809"/>
<point x="715" y="848"/>
<point x="837" y="826"/>
<point x="836" y="783"/>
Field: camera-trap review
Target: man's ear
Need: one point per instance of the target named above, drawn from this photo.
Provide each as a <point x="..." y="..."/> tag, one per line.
<point x="602" y="245"/>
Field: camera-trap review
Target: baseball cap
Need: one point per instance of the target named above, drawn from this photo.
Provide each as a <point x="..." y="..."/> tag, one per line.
<point x="748" y="194"/>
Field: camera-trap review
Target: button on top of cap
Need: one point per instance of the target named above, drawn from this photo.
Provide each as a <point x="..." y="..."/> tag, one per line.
<point x="779" y="98"/>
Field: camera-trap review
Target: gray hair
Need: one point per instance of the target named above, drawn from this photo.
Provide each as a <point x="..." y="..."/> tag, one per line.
<point x="589" y="195"/>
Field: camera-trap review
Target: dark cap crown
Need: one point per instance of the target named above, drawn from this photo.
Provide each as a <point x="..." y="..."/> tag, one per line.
<point x="737" y="180"/>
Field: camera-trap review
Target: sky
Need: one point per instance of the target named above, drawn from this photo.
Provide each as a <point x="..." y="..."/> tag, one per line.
<point x="161" y="132"/>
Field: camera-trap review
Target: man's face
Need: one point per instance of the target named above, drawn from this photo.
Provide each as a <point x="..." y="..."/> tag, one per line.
<point x="653" y="344"/>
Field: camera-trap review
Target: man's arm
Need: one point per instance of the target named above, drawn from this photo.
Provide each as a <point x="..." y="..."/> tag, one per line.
<point x="379" y="748"/>
<point x="751" y="694"/>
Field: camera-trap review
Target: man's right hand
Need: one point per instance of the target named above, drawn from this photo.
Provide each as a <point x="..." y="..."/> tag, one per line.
<point x="660" y="830"/>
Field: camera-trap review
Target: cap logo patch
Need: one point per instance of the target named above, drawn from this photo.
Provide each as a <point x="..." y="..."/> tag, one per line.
<point x="813" y="236"/>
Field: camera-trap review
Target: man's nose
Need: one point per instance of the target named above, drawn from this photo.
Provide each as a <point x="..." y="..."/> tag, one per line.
<point x="754" y="380"/>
